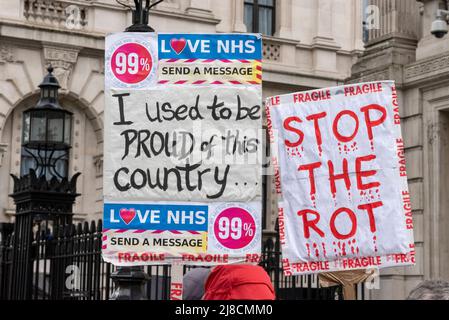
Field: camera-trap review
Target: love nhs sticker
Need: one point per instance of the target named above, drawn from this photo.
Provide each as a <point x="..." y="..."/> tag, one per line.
<point x="156" y="216"/>
<point x="210" y="59"/>
<point x="210" y="46"/>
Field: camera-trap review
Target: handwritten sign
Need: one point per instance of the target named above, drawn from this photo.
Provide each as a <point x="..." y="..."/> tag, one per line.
<point x="184" y="144"/>
<point x="182" y="168"/>
<point x="341" y="179"/>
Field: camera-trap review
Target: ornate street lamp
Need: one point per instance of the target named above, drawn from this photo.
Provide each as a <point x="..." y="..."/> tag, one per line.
<point x="43" y="194"/>
<point x="47" y="131"/>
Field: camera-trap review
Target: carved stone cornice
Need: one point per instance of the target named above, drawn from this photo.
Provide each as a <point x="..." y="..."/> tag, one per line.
<point x="369" y="76"/>
<point x="427" y="70"/>
<point x="385" y="61"/>
<point x="185" y="16"/>
<point x="62" y="59"/>
<point x="98" y="163"/>
<point x="6" y="53"/>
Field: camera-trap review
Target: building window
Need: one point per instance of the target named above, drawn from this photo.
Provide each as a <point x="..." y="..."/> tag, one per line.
<point x="259" y="16"/>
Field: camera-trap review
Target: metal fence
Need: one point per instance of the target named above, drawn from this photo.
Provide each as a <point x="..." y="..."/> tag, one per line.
<point x="66" y="264"/>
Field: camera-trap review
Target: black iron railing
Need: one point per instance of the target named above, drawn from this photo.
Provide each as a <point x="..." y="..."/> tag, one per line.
<point x="66" y="264"/>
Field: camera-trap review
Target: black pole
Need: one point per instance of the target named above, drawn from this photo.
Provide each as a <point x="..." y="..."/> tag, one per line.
<point x="130" y="281"/>
<point x="140" y="16"/>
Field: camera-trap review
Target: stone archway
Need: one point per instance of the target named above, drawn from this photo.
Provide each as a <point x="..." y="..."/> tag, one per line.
<point x="81" y="76"/>
<point x="85" y="156"/>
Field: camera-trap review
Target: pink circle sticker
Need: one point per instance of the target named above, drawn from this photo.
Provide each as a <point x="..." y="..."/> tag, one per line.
<point x="131" y="63"/>
<point x="234" y="228"/>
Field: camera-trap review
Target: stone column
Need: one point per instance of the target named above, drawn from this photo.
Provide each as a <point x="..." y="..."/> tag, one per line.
<point x="323" y="44"/>
<point x="397" y="18"/>
<point x="390" y="48"/>
<point x="199" y="7"/>
<point x="284" y="14"/>
<point x="12" y="9"/>
<point x="396" y="37"/>
<point x="239" y="24"/>
<point x="324" y="33"/>
<point x="358" y="23"/>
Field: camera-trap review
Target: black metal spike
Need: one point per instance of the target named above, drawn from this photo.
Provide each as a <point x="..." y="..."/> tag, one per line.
<point x="86" y="227"/>
<point x="79" y="228"/>
<point x="92" y="226"/>
<point x="73" y="182"/>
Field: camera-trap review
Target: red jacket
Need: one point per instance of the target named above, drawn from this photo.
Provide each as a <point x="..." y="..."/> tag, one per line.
<point x="238" y="282"/>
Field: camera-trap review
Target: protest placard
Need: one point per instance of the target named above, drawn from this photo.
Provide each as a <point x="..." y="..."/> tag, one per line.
<point x="210" y="58"/>
<point x="182" y="168"/>
<point x="341" y="178"/>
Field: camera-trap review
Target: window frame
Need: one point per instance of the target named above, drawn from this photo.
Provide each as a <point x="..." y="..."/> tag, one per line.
<point x="255" y="17"/>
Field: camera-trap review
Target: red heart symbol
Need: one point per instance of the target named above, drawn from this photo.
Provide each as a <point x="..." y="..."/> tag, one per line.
<point x="127" y="215"/>
<point x="178" y="45"/>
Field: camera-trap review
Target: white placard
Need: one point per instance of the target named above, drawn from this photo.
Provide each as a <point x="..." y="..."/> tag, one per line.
<point x="341" y="179"/>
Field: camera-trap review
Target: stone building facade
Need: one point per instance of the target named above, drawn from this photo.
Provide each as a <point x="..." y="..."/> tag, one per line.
<point x="310" y="44"/>
<point x="299" y="53"/>
<point x="404" y="50"/>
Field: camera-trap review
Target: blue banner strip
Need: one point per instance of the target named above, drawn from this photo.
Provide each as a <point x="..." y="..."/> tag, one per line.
<point x="210" y="46"/>
<point x="156" y="217"/>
